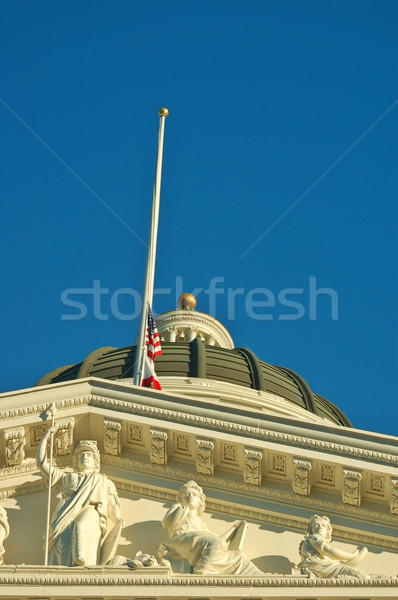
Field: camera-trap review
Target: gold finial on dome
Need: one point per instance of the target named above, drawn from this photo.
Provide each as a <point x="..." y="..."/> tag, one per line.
<point x="187" y="302"/>
<point x="163" y="112"/>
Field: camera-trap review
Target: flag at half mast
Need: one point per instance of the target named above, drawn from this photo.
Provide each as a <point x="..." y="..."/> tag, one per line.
<point x="154" y="349"/>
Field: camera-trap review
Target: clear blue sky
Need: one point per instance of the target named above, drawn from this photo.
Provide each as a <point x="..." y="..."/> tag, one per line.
<point x="264" y="98"/>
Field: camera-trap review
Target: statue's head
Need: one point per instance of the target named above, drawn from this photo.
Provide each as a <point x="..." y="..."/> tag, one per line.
<point x="86" y="456"/>
<point x="191" y="494"/>
<point x="320" y="525"/>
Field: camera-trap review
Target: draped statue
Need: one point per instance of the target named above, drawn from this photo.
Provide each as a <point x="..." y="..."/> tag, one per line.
<point x="322" y="558"/>
<point x="190" y="539"/>
<point x="4" y="531"/>
<point x="79" y="523"/>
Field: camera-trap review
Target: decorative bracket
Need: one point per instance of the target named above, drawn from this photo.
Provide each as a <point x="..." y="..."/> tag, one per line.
<point x="301" y="483"/>
<point x="205" y="457"/>
<point x="158" y="452"/>
<point x="63" y="440"/>
<point x="252" y="472"/>
<point x="112" y="441"/>
<point x="14" y="446"/>
<point x="394" y="497"/>
<point x="351" y="492"/>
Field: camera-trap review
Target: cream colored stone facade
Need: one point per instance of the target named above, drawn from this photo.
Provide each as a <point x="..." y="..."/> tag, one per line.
<point x="254" y="463"/>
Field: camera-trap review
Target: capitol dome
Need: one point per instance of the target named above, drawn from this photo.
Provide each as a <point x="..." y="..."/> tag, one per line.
<point x="199" y="360"/>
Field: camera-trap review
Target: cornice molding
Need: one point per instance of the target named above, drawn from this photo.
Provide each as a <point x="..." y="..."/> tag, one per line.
<point x="168" y="415"/>
<point x="100" y="576"/>
<point x="242" y="430"/>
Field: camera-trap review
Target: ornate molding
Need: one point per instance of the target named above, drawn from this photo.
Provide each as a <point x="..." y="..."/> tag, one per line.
<point x="28" y="465"/>
<point x="241" y="430"/>
<point x="100" y="576"/>
<point x="215" y="424"/>
<point x="256" y="515"/>
<point x="301" y="483"/>
<point x="205" y="457"/>
<point x="158" y="451"/>
<point x="252" y="471"/>
<point x="351" y="492"/>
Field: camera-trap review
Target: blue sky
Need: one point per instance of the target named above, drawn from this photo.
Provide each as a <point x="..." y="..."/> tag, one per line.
<point x="269" y="102"/>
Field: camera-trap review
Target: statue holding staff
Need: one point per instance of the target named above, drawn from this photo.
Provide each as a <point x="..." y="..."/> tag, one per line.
<point x="77" y="532"/>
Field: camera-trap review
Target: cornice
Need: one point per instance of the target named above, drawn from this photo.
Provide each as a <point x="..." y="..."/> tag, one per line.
<point x="242" y="430"/>
<point x="103" y="576"/>
<point x="195" y="420"/>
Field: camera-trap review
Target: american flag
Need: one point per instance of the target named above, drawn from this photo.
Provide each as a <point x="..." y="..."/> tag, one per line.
<point x="154" y="349"/>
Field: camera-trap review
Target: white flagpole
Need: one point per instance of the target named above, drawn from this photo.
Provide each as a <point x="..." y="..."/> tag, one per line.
<point x="50" y="409"/>
<point x="147" y="296"/>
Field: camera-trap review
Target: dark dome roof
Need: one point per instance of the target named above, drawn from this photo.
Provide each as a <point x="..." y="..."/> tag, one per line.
<point x="196" y="359"/>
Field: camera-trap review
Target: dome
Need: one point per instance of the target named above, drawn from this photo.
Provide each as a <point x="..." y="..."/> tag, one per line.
<point x="197" y="361"/>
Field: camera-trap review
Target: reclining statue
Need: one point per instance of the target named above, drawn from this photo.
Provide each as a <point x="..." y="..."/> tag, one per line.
<point x="322" y="559"/>
<point x="189" y="538"/>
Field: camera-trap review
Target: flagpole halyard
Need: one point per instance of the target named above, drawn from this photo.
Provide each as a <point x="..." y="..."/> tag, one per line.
<point x="149" y="278"/>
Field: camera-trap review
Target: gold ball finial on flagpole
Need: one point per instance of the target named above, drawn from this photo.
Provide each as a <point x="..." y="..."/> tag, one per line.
<point x="163" y="112"/>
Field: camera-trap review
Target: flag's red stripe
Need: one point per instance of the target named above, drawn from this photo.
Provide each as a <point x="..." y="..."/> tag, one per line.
<point x="151" y="382"/>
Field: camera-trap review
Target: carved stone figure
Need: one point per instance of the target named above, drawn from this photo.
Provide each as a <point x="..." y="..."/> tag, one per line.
<point x="4" y="531"/>
<point x="79" y="523"/>
<point x="190" y="539"/>
<point x="323" y="559"/>
<point x="140" y="561"/>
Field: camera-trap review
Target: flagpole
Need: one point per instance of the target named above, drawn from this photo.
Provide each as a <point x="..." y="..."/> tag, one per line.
<point x="50" y="409"/>
<point x="149" y="278"/>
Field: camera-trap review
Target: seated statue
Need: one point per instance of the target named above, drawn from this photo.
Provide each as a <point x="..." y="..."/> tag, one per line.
<point x="190" y="539"/>
<point x="322" y="558"/>
<point x="4" y="531"/>
<point x="79" y="522"/>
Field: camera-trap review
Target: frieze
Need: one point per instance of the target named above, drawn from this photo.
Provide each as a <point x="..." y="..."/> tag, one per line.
<point x="255" y="515"/>
<point x="272" y="494"/>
